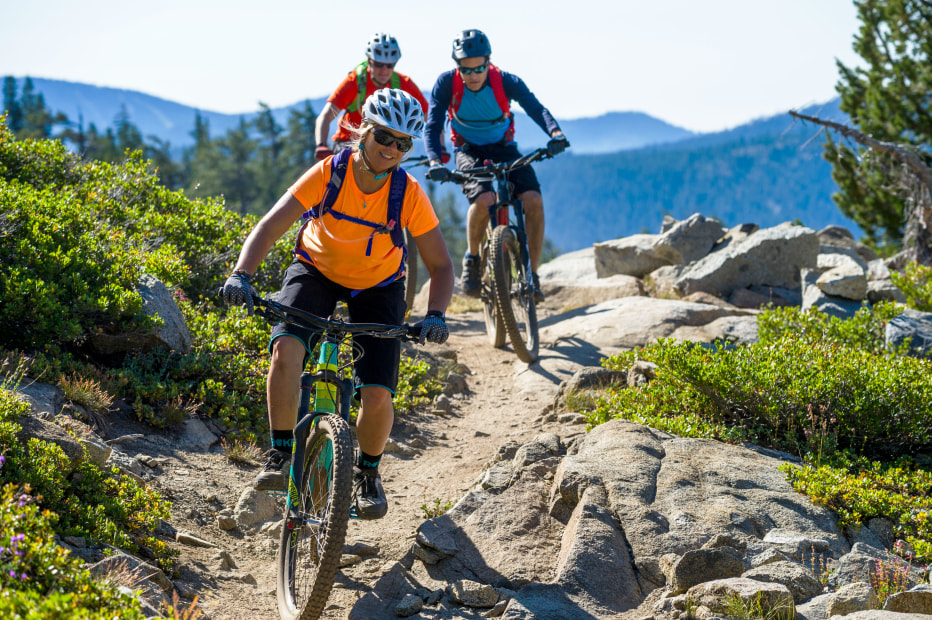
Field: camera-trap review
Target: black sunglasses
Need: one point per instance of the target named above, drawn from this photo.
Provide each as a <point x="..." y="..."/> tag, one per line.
<point x="381" y="65"/>
<point x="386" y="139"/>
<point x="467" y="70"/>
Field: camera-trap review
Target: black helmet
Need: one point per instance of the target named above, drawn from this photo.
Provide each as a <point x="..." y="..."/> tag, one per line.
<point x="470" y="44"/>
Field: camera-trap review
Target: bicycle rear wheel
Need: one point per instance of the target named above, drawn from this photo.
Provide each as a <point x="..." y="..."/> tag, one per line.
<point x="513" y="296"/>
<point x="410" y="271"/>
<point x="493" y="321"/>
<point x="312" y="537"/>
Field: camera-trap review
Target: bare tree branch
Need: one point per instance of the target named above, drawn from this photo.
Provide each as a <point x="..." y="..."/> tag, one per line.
<point x="917" y="186"/>
<point x="915" y="163"/>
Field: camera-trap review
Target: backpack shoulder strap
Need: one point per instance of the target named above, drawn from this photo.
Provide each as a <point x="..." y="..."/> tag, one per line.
<point x="338" y="164"/>
<point x="362" y="78"/>
<point x="498" y="89"/>
<point x="396" y="200"/>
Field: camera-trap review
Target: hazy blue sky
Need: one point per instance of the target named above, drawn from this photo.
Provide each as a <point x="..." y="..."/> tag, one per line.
<point x="701" y="64"/>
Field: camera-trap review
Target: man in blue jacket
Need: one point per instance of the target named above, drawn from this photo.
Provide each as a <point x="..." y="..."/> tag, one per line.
<point x="476" y="97"/>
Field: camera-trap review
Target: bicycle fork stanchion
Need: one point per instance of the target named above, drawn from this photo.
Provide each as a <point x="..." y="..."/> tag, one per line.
<point x="316" y="387"/>
<point x="527" y="287"/>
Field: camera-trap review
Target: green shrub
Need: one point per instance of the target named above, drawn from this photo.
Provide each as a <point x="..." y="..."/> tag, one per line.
<point x="858" y="489"/>
<point x="416" y="386"/>
<point x="789" y="394"/>
<point x="38" y="578"/>
<point x="102" y="505"/>
<point x="817" y="386"/>
<point x="916" y="284"/>
<point x="865" y="330"/>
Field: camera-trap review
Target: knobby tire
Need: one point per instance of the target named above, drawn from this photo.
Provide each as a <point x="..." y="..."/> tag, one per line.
<point x="493" y="321"/>
<point x="515" y="300"/>
<point x="309" y="556"/>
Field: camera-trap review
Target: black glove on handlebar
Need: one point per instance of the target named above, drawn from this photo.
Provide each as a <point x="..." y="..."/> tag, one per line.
<point x="557" y="145"/>
<point x="438" y="173"/>
<point x="433" y="328"/>
<point x="238" y="290"/>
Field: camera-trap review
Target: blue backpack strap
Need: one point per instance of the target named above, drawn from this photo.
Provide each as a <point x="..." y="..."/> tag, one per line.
<point x="338" y="164"/>
<point x="337" y="172"/>
<point x="396" y="201"/>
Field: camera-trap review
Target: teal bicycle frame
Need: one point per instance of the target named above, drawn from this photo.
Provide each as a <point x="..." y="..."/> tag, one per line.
<point x="326" y="386"/>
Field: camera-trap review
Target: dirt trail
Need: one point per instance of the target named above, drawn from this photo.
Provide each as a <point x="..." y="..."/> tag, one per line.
<point x="503" y="402"/>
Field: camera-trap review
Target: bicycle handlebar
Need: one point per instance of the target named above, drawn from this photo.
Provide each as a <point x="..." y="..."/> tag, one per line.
<point x="495" y="169"/>
<point x="274" y="311"/>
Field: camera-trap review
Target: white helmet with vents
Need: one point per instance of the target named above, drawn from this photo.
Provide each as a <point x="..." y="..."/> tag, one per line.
<point x="383" y="48"/>
<point x="395" y="109"/>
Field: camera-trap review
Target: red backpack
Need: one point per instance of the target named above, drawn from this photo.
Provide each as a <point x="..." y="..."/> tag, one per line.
<point x="498" y="89"/>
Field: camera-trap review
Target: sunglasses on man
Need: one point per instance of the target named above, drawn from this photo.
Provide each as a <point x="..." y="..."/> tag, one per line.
<point x="381" y="65"/>
<point x="386" y="139"/>
<point x="467" y="70"/>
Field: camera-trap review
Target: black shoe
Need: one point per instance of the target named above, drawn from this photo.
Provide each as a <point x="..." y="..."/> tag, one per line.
<point x="471" y="284"/>
<point x="274" y="474"/>
<point x="538" y="294"/>
<point x="368" y="496"/>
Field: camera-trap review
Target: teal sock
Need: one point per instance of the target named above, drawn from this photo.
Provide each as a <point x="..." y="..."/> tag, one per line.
<point x="367" y="461"/>
<point x="283" y="441"/>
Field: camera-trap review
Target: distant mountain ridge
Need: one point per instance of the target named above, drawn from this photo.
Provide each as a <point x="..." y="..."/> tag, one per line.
<point x="173" y="122"/>
<point x="624" y="172"/>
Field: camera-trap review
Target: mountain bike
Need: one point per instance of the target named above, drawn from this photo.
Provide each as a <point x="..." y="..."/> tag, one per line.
<point x="318" y="503"/>
<point x="507" y="287"/>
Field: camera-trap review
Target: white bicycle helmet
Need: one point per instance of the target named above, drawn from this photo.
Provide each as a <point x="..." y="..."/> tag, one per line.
<point x="395" y="109"/>
<point x="383" y="48"/>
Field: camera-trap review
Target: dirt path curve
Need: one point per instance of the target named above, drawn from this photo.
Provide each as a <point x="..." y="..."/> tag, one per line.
<point x="504" y="401"/>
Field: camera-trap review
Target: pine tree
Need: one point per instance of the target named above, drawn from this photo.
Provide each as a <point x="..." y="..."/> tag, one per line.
<point x="267" y="164"/>
<point x="298" y="150"/>
<point x="202" y="162"/>
<point x="887" y="99"/>
<point x="11" y="105"/>
<point x="237" y="175"/>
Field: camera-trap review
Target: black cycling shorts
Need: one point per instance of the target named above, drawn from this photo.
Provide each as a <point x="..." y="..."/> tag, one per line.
<point x="305" y="288"/>
<point x="472" y="156"/>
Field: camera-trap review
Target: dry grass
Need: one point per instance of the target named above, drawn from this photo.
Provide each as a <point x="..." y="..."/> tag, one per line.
<point x="178" y="409"/>
<point x="241" y="452"/>
<point x="462" y="303"/>
<point x="86" y="392"/>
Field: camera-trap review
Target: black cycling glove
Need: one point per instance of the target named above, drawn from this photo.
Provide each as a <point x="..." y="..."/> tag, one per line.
<point x="433" y="328"/>
<point x="438" y="173"/>
<point x="557" y="145"/>
<point x="238" y="290"/>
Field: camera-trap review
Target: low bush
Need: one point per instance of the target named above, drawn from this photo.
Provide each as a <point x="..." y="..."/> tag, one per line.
<point x="816" y="386"/>
<point x="916" y="283"/>
<point x="39" y="578"/>
<point x="103" y="506"/>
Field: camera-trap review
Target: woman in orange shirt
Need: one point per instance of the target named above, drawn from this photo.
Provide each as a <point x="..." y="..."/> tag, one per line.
<point x="338" y="257"/>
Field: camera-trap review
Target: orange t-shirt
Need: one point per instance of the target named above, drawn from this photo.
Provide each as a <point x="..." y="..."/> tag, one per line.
<point x="337" y="247"/>
<point x="346" y="93"/>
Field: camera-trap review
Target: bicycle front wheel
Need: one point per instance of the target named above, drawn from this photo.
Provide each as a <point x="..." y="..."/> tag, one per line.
<point x="493" y="320"/>
<point x="513" y="295"/>
<point x="313" y="534"/>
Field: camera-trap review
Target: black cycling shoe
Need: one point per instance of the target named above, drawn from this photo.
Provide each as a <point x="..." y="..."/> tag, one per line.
<point x="368" y="495"/>
<point x="274" y="474"/>
<point x="471" y="283"/>
<point x="538" y="294"/>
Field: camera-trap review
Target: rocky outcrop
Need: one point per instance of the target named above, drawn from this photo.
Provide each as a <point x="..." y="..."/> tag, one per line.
<point x="783" y="265"/>
<point x="157" y="302"/>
